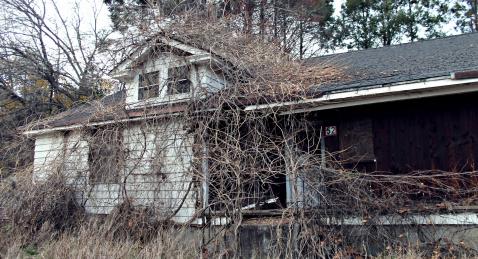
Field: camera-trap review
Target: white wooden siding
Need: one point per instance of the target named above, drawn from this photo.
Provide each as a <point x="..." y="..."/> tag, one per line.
<point x="203" y="80"/>
<point x="209" y="80"/>
<point x="47" y="157"/>
<point x="157" y="171"/>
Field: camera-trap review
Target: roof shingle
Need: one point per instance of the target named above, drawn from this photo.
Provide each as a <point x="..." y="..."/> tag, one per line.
<point x="359" y="69"/>
<point x="399" y="63"/>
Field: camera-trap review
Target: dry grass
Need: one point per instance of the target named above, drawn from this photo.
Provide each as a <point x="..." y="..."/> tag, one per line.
<point x="44" y="221"/>
<point x="37" y="210"/>
<point x="89" y="243"/>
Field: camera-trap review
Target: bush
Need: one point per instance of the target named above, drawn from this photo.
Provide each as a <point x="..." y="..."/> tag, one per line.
<point x="47" y="207"/>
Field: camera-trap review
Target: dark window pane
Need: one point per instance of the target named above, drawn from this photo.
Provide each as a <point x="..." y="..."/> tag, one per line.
<point x="148" y="85"/>
<point x="178" y="80"/>
<point x="148" y="92"/>
<point x="105" y="156"/>
<point x="182" y="86"/>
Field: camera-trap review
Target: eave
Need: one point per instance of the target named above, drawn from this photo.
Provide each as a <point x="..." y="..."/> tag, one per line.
<point x="124" y="68"/>
<point x="438" y="86"/>
<point x="133" y="116"/>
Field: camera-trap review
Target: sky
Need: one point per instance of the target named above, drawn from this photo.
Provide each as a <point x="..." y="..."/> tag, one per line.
<point x="87" y="8"/>
<point x="337" y="6"/>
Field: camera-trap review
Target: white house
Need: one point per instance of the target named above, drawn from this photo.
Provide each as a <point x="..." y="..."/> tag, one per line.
<point x="84" y="145"/>
<point x="150" y="157"/>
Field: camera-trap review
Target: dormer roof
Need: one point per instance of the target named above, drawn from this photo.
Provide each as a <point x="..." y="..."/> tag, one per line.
<point x="191" y="53"/>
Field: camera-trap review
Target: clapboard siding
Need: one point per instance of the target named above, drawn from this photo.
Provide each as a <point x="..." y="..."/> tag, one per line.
<point x="203" y="80"/>
<point x="157" y="169"/>
<point x="47" y="157"/>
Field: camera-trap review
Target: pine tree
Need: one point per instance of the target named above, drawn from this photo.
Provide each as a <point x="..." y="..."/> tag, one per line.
<point x="313" y="18"/>
<point x="125" y="13"/>
<point x="371" y="23"/>
<point x="466" y="15"/>
<point x="359" y="23"/>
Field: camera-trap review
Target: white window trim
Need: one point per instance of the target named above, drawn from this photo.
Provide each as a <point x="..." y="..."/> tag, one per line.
<point x="164" y="97"/>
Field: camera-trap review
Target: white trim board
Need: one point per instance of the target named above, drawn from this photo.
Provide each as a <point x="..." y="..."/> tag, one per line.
<point x="99" y="123"/>
<point x="467" y="218"/>
<point x="439" y="219"/>
<point x="378" y="94"/>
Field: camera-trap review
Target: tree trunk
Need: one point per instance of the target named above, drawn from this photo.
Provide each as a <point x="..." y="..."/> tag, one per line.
<point x="262" y="18"/>
<point x="248" y="10"/>
<point x="474" y="16"/>
<point x="301" y="39"/>
<point x="275" y="18"/>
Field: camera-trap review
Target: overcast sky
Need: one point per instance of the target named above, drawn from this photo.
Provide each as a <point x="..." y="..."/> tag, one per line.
<point x="87" y="8"/>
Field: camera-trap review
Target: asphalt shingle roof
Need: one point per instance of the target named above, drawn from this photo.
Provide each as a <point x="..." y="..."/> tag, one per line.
<point x="94" y="111"/>
<point x="359" y="69"/>
<point x="399" y="63"/>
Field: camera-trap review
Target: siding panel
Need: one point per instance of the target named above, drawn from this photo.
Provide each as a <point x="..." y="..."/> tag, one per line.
<point x="157" y="169"/>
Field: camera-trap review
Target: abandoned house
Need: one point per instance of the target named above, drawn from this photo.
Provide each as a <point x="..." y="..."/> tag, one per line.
<point x="395" y="110"/>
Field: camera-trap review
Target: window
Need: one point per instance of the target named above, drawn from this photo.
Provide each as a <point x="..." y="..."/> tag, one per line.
<point x="148" y="85"/>
<point x="178" y="80"/>
<point x="105" y="156"/>
<point x="356" y="140"/>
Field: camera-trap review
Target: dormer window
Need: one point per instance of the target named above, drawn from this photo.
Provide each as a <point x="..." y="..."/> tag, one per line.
<point x="178" y="80"/>
<point x="148" y="85"/>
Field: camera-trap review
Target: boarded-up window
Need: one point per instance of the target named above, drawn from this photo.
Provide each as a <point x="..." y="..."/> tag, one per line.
<point x="356" y="140"/>
<point x="106" y="156"/>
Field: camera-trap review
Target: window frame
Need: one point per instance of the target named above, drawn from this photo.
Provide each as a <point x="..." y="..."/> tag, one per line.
<point x="155" y="86"/>
<point x="114" y="152"/>
<point x="175" y="78"/>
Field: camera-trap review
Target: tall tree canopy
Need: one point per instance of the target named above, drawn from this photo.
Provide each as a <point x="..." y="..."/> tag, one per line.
<point x="300" y="25"/>
<point x="466" y="15"/>
<point x="372" y="23"/>
<point x="48" y="63"/>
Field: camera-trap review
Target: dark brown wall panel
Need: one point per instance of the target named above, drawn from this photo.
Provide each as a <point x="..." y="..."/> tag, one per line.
<point x="439" y="133"/>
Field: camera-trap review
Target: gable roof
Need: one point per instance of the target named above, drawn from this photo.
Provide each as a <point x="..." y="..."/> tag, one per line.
<point x="362" y="69"/>
<point x="401" y="63"/>
<point x="144" y="51"/>
<point x="94" y="111"/>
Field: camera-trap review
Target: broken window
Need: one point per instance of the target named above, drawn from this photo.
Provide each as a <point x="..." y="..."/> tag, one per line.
<point x="148" y="85"/>
<point x="258" y="186"/>
<point x="106" y="156"/>
<point x="178" y="80"/>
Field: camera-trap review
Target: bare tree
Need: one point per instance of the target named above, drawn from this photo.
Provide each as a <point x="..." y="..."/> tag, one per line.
<point x="49" y="61"/>
<point x="58" y="50"/>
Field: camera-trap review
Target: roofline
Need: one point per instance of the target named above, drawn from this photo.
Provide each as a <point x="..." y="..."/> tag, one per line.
<point x="31" y="133"/>
<point x="348" y="51"/>
<point x="437" y="86"/>
<point x="431" y="87"/>
<point x="140" y="52"/>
